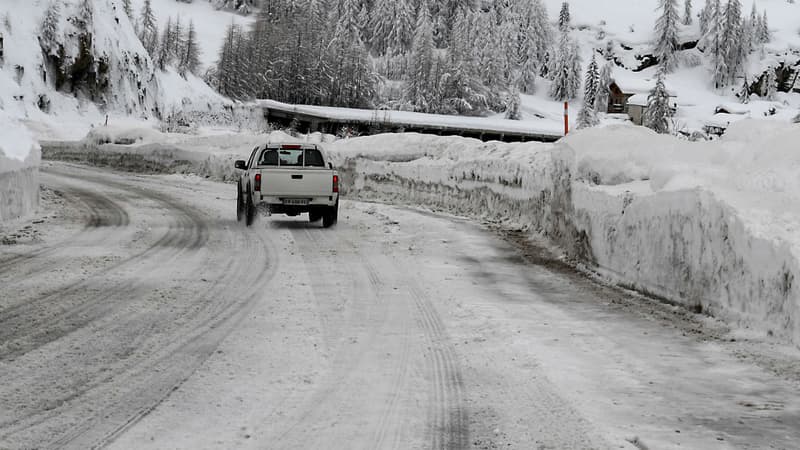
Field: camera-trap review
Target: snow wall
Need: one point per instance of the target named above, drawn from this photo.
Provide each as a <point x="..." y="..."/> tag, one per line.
<point x="19" y="173"/>
<point x="648" y="212"/>
<point x="712" y="226"/>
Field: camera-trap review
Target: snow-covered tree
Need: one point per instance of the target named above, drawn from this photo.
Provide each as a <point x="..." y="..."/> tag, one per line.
<point x="127" y="8"/>
<point x="392" y="26"/>
<point x="419" y="86"/>
<point x="687" y="12"/>
<point x="564" y="17"/>
<point x="731" y="39"/>
<point x="656" y="116"/>
<point x="566" y="70"/>
<point x="190" y="54"/>
<point x="587" y="116"/>
<point x="166" y="46"/>
<point x="512" y="105"/>
<point x="603" y="88"/>
<point x="48" y="33"/>
<point x="707" y="15"/>
<point x="744" y="91"/>
<point x="592" y="82"/>
<point x="148" y="28"/>
<point x="667" y="34"/>
<point x="764" y="32"/>
<point x="771" y="84"/>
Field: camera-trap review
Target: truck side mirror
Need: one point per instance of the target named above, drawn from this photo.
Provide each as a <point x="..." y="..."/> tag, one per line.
<point x="240" y="164"/>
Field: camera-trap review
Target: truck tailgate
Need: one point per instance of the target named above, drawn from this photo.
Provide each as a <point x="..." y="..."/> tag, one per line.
<point x="296" y="182"/>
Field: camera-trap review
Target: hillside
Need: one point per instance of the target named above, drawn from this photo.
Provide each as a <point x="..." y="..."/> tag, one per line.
<point x="212" y="22"/>
<point x="626" y="27"/>
<point x="88" y="61"/>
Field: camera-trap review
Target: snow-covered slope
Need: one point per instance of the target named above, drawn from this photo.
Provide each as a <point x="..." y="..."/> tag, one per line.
<point x="628" y="25"/>
<point x="113" y="74"/>
<point x="210" y="22"/>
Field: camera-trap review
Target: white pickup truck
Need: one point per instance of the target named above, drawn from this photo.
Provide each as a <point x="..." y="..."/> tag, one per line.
<point x="288" y="179"/>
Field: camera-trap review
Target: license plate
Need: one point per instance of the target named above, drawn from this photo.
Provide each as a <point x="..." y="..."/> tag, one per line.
<point x="295" y="201"/>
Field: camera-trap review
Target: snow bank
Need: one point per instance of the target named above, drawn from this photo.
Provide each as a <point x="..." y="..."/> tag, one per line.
<point x="210" y="153"/>
<point x="19" y="160"/>
<point x="714" y="226"/>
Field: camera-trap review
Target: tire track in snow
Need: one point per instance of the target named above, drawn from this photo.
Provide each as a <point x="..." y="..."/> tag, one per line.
<point x="100" y="211"/>
<point x="143" y="382"/>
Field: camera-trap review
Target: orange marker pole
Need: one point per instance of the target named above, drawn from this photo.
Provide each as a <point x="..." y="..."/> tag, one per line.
<point x="566" y="118"/>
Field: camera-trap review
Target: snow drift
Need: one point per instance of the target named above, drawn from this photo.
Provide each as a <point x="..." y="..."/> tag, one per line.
<point x="19" y="159"/>
<point x="713" y="226"/>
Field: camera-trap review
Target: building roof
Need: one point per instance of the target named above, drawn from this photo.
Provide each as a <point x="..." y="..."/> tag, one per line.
<point x="640" y="86"/>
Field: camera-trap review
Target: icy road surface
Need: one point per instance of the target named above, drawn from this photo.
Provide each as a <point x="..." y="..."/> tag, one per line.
<point x="135" y="312"/>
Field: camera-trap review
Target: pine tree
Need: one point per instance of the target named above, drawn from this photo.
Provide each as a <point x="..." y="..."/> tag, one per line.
<point x="190" y="60"/>
<point x="656" y="116"/>
<point x="165" y="50"/>
<point x="603" y="88"/>
<point x="744" y="91"/>
<point x="126" y="7"/>
<point x="591" y="83"/>
<point x="587" y="116"/>
<point x="513" y="104"/>
<point x="687" y="12"/>
<point x="732" y="37"/>
<point x="48" y="33"/>
<point x="707" y="15"/>
<point x="754" y="27"/>
<point x="419" y="83"/>
<point x="566" y="70"/>
<point x="764" y="30"/>
<point x="148" y="28"/>
<point x="564" y="17"/>
<point x="667" y="34"/>
<point x="392" y="26"/>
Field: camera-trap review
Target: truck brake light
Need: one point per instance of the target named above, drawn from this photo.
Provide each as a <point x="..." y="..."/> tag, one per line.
<point x="257" y="184"/>
<point x="336" y="183"/>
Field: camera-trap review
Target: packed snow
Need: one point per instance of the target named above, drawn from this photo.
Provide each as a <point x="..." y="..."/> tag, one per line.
<point x="19" y="160"/>
<point x="712" y="225"/>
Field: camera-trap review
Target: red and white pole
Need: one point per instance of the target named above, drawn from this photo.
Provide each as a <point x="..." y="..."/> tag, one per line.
<point x="566" y="118"/>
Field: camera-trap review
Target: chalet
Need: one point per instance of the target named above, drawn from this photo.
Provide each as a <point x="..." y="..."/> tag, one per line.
<point x="637" y="105"/>
<point x="630" y="97"/>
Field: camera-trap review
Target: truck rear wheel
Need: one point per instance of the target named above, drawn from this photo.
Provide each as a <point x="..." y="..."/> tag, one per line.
<point x="314" y="216"/>
<point x="239" y="204"/>
<point x="331" y="216"/>
<point x="250" y="210"/>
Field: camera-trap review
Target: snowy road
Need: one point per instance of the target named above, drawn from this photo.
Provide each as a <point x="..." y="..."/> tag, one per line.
<point x="139" y="314"/>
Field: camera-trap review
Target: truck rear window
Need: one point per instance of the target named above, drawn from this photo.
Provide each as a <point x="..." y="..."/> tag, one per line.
<point x="291" y="158"/>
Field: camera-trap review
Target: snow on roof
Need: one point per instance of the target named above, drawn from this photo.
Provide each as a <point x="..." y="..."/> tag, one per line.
<point x="640" y="85"/>
<point x="528" y="127"/>
<point x="638" y="100"/>
<point x="732" y="108"/>
<point x="722" y="120"/>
